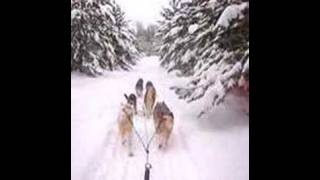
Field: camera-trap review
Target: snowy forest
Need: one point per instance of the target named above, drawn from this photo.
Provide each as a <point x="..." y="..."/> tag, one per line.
<point x="205" y="40"/>
<point x="196" y="54"/>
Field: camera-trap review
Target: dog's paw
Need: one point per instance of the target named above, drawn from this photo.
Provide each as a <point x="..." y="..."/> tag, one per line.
<point x="130" y="154"/>
<point x="160" y="146"/>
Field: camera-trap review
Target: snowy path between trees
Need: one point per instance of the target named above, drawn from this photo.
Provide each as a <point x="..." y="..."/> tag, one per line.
<point x="215" y="147"/>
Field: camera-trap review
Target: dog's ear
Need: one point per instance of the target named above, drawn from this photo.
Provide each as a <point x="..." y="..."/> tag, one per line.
<point x="125" y="95"/>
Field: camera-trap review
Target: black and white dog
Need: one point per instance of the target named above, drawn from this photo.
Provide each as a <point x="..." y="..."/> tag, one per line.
<point x="132" y="100"/>
<point x="139" y="88"/>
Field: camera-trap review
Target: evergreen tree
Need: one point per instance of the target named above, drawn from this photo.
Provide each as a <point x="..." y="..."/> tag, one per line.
<point x="125" y="42"/>
<point x="208" y="41"/>
<point x="99" y="37"/>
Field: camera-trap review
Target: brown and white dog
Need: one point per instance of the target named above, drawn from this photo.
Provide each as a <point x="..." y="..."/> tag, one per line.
<point x="149" y="98"/>
<point x="139" y="88"/>
<point x="163" y="121"/>
<point x="125" y="120"/>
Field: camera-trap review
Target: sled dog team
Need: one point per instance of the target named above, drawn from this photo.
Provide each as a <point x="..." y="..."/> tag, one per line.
<point x="162" y="116"/>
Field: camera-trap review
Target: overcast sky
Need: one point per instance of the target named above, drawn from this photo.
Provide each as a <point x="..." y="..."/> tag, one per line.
<point x="145" y="11"/>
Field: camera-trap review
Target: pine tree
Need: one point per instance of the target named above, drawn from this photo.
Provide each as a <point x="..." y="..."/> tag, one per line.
<point x="98" y="41"/>
<point x="208" y="41"/>
<point x="125" y="42"/>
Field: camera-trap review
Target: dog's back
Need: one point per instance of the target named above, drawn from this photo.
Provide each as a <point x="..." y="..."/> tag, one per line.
<point x="163" y="122"/>
<point x="150" y="97"/>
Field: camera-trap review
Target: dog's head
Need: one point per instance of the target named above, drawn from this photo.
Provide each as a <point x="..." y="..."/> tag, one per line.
<point x="140" y="82"/>
<point x="131" y="99"/>
<point x="163" y="108"/>
<point x="149" y="85"/>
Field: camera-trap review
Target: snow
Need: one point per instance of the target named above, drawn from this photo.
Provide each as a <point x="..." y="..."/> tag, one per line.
<point x="219" y="88"/>
<point x="106" y="9"/>
<point x="213" y="147"/>
<point x="231" y="12"/>
<point x="96" y="36"/>
<point x="89" y="1"/>
<point x="246" y="65"/>
<point x="236" y="68"/>
<point x="185" y="1"/>
<point x="192" y="28"/>
<point x="175" y="30"/>
<point x="74" y="13"/>
<point x="231" y="83"/>
<point x="212" y="3"/>
<point x="188" y="55"/>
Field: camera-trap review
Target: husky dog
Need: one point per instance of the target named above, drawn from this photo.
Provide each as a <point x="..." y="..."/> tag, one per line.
<point x="125" y="125"/>
<point x="139" y="88"/>
<point x="131" y="99"/>
<point x="163" y="121"/>
<point x="149" y="98"/>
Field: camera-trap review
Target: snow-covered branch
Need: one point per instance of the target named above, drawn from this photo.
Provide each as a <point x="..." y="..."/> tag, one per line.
<point x="209" y="43"/>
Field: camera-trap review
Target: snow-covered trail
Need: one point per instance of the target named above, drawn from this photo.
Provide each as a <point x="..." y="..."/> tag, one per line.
<point x="200" y="149"/>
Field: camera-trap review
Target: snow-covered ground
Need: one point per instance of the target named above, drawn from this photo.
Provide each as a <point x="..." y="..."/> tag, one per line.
<point x="215" y="147"/>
